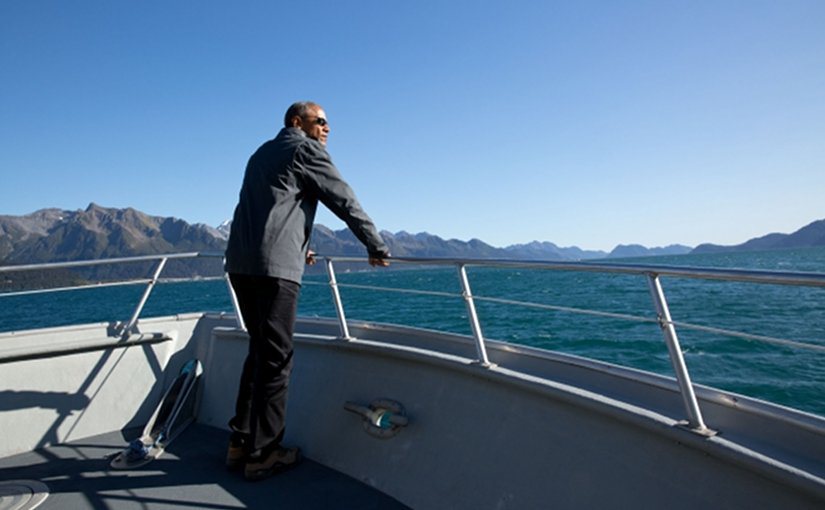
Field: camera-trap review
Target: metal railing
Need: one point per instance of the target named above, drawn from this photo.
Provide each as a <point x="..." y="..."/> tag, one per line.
<point x="651" y="273"/>
<point x="129" y="326"/>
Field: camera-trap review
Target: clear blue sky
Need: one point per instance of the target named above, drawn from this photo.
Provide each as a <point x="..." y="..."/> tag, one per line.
<point x="588" y="123"/>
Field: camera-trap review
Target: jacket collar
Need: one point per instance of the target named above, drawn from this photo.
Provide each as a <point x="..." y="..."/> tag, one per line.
<point x="293" y="131"/>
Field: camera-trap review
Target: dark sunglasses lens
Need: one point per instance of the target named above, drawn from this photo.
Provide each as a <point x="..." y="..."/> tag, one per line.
<point x="321" y="122"/>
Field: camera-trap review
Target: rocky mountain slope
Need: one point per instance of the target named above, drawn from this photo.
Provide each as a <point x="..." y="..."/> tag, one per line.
<point x="809" y="236"/>
<point x="52" y="235"/>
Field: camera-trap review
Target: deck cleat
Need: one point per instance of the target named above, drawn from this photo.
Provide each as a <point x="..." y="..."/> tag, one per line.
<point x="383" y="418"/>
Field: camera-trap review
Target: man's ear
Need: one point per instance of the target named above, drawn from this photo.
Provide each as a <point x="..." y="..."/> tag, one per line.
<point x="295" y="121"/>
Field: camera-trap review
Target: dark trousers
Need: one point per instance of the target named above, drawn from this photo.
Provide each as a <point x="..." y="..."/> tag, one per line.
<point x="268" y="306"/>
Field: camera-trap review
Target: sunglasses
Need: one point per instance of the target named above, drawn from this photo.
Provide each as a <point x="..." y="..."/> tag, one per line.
<point x="320" y="121"/>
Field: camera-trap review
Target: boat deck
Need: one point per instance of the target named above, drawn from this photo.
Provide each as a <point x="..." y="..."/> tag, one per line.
<point x="190" y="474"/>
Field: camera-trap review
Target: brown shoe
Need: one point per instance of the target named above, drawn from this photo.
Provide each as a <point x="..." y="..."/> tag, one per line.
<point x="237" y="452"/>
<point x="235" y="457"/>
<point x="276" y="461"/>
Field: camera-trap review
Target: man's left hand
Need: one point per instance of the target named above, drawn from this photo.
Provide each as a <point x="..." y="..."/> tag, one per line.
<point x="379" y="262"/>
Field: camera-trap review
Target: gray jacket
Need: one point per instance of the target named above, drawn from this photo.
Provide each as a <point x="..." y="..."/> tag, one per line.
<point x="284" y="180"/>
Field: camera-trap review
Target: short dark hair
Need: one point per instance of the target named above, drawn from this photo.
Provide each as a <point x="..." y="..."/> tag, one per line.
<point x="301" y="109"/>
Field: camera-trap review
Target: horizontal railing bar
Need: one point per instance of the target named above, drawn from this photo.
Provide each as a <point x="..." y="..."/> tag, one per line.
<point x="635" y="318"/>
<point x="593" y="313"/>
<point x="582" y="311"/>
<point x="177" y="279"/>
<point x="98" y="262"/>
<point x="743" y="275"/>
<point x="119" y="283"/>
<point x="78" y="287"/>
<point x="749" y="336"/>
<point x="392" y="289"/>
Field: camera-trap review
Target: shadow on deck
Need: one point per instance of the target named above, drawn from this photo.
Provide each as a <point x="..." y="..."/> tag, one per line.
<point x="189" y="475"/>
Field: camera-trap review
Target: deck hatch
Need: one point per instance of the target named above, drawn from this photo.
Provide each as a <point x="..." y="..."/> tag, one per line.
<point x="22" y="494"/>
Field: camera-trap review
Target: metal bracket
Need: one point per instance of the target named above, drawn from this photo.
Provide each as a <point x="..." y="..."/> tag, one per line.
<point x="383" y="418"/>
<point x="704" y="432"/>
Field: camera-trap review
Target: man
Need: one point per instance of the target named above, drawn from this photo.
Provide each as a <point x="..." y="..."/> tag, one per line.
<point x="265" y="256"/>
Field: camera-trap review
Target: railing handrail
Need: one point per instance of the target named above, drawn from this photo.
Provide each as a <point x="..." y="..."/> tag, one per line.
<point x="581" y="311"/>
<point x="800" y="278"/>
<point x="650" y="272"/>
<point x="128" y="327"/>
<point x="100" y="262"/>
<point x="695" y="421"/>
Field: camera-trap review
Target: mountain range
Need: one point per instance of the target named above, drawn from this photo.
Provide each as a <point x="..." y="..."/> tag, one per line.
<point x="51" y="235"/>
<point x="810" y="235"/>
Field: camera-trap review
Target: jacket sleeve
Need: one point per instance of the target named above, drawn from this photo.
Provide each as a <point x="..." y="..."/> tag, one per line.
<point x="321" y="174"/>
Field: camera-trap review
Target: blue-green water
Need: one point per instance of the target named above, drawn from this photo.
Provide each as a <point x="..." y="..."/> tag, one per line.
<point x="783" y="374"/>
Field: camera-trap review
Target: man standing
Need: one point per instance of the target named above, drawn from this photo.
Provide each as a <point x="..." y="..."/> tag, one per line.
<point x="265" y="256"/>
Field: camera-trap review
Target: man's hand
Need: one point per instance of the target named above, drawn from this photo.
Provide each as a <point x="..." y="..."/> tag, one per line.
<point x="379" y="261"/>
<point x="310" y="258"/>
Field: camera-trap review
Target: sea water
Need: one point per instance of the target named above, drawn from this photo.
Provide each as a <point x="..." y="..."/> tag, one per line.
<point x="779" y="373"/>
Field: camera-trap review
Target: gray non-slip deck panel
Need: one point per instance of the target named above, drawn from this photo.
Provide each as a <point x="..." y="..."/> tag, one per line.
<point x="189" y="475"/>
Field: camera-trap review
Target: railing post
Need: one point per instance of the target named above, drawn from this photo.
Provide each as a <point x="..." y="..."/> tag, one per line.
<point x="695" y="420"/>
<point x="336" y="298"/>
<point x="151" y="285"/>
<point x="481" y="350"/>
<point x="235" y="305"/>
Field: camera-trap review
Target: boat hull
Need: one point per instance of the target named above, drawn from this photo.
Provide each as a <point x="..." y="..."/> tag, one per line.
<point x="535" y="429"/>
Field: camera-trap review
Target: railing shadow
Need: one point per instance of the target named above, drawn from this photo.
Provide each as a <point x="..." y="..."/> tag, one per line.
<point x="190" y="474"/>
<point x="64" y="403"/>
